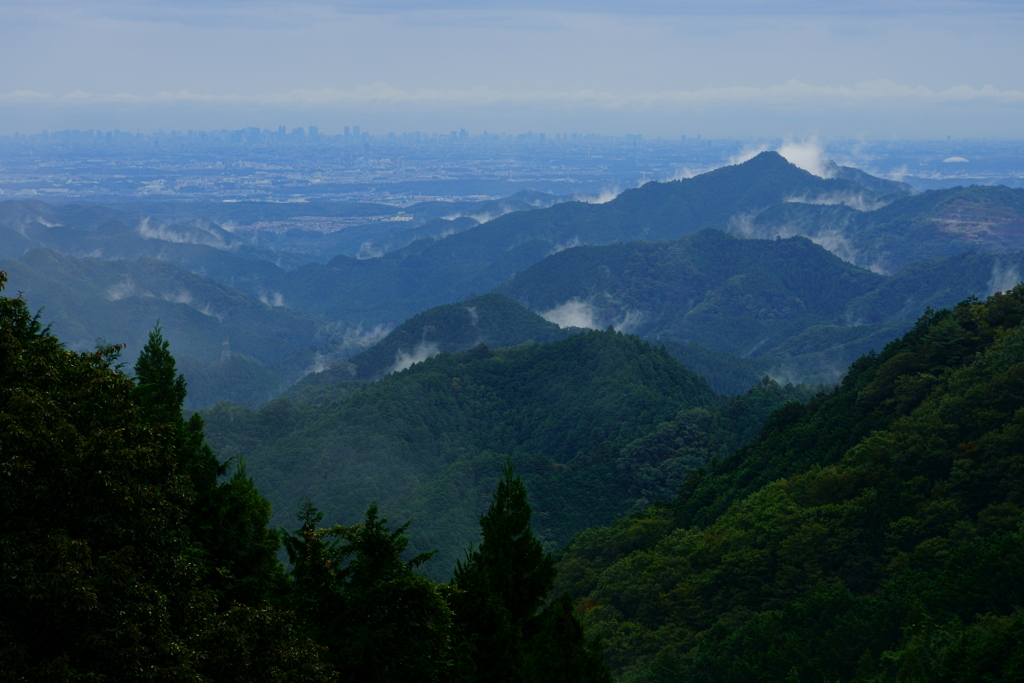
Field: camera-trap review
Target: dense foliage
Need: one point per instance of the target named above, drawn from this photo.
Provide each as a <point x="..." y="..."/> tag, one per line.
<point x="124" y="556"/>
<point x="598" y="424"/>
<point x="127" y="555"/>
<point x="873" y="534"/>
<point x="429" y="443"/>
<point x="237" y="379"/>
<point x="498" y="591"/>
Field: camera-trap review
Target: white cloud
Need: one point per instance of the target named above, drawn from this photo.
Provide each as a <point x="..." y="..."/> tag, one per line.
<point x="272" y="299"/>
<point x="209" y="312"/>
<point x="419" y="354"/>
<point x="630" y="321"/>
<point x="574" y="242"/>
<point x="121" y="290"/>
<point x="807" y="155"/>
<point x="602" y="197"/>
<point x="181" y="297"/>
<point x="356" y="338"/>
<point x="1003" y="278"/>
<point x="854" y="200"/>
<point x="191" y="234"/>
<point x="367" y="251"/>
<point x="747" y="154"/>
<point x="835" y="242"/>
<point x="573" y="313"/>
<point x="790" y="92"/>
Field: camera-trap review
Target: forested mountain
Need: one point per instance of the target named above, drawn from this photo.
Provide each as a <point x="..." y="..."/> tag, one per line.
<point x="873" y="534"/>
<point x="428" y="443"/>
<point x="492" y="319"/>
<point x="886" y="188"/>
<point x="431" y="272"/>
<point x="498" y="322"/>
<point x="925" y="226"/>
<point x="733" y="323"/>
<point x="200" y="247"/>
<point x="788" y="301"/>
<point x="128" y="554"/>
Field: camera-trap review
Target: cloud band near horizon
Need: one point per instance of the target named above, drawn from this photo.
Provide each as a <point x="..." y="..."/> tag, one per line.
<point x="792" y="91"/>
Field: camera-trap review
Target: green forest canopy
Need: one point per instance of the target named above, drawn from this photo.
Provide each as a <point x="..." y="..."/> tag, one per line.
<point x="129" y="555"/>
<point x="598" y="424"/>
<point x="873" y="534"/>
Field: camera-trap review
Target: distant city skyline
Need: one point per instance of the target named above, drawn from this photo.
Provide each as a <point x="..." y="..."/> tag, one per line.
<point x="354" y="133"/>
<point x="907" y="69"/>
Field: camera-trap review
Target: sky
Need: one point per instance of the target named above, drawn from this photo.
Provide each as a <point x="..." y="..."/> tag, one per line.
<point x="894" y="69"/>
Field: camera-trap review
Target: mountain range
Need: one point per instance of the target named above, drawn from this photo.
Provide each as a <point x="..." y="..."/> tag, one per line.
<point x="643" y="262"/>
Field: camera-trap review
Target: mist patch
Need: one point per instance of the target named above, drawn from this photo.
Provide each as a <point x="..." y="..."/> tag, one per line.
<point x="420" y="353"/>
<point x="573" y="313"/>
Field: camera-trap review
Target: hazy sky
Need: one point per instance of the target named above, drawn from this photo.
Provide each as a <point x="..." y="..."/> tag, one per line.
<point x="903" y="68"/>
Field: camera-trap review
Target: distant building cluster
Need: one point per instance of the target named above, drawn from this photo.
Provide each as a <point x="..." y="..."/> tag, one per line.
<point x="306" y="164"/>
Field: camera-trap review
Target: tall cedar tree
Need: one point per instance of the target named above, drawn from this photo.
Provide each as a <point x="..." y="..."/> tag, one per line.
<point x="378" y="620"/>
<point x="497" y="593"/>
<point x="99" y="582"/>
<point x="228" y="521"/>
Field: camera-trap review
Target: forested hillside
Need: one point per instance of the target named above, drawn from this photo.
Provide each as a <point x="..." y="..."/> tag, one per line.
<point x="129" y="555"/>
<point x="873" y="534"/>
<point x="805" y="311"/>
<point x="576" y="415"/>
<point x="492" y="319"/>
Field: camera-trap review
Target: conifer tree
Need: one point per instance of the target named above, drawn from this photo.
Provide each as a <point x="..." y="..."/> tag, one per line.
<point x="160" y="392"/>
<point x="96" y="585"/>
<point x="512" y="561"/>
<point x="379" y="621"/>
<point x="97" y="529"/>
<point x="497" y="593"/>
<point x="227" y="520"/>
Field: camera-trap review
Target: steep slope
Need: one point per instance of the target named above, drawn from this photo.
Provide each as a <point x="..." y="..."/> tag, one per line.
<point x="874" y="534"/>
<point x="748" y="298"/>
<point x="428" y="443"/>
